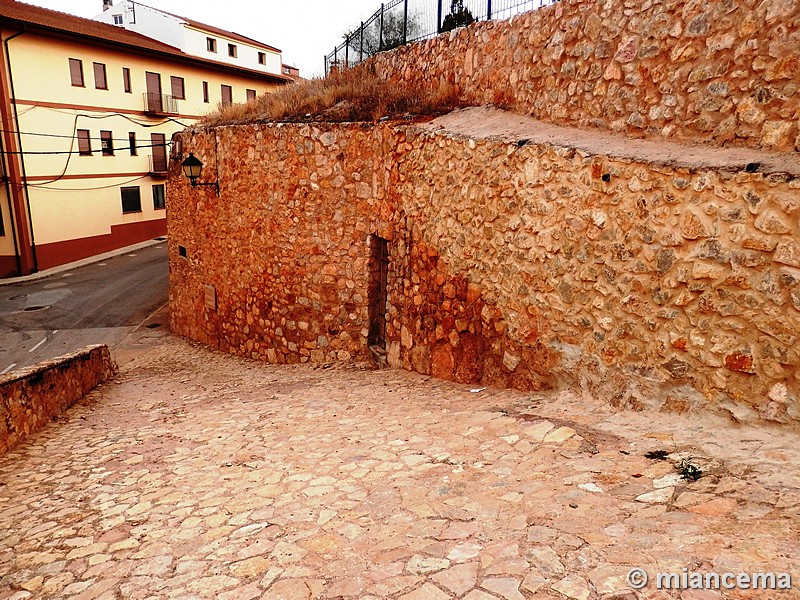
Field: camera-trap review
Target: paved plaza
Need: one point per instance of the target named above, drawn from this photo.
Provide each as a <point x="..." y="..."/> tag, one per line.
<point x="200" y="475"/>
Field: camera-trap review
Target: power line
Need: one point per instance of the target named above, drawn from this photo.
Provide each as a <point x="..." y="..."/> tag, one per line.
<point x="85" y="189"/>
<point x="78" y="152"/>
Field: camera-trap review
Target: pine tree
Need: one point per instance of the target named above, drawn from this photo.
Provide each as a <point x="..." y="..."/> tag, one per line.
<point x="458" y="17"/>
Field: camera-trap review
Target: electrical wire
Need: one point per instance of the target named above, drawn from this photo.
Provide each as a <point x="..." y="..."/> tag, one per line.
<point x="85" y="189"/>
<point x="57" y="135"/>
<point x="78" y="152"/>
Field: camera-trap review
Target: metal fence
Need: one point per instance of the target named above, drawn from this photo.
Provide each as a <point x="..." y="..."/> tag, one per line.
<point x="400" y="22"/>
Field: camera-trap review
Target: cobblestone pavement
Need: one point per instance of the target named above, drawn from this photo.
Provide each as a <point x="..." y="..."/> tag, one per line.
<point x="200" y="475"/>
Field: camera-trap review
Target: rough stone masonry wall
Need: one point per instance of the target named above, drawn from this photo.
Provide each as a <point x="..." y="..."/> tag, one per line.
<point x="30" y="398"/>
<point x="724" y="71"/>
<point x="510" y="266"/>
<point x="277" y="268"/>
<point x="662" y="287"/>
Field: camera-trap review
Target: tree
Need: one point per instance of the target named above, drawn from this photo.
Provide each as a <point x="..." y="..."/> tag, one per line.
<point x="458" y="17"/>
<point x="392" y="37"/>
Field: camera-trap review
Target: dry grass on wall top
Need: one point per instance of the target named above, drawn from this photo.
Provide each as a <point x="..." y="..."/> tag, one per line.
<point x="353" y="95"/>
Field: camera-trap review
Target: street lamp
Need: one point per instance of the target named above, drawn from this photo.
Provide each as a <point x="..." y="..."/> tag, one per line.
<point x="192" y="167"/>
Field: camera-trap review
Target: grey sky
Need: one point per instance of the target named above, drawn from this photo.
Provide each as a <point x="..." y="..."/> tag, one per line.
<point x="305" y="30"/>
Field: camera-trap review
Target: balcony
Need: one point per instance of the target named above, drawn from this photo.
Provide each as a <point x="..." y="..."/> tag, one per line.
<point x="158" y="164"/>
<point x="160" y="104"/>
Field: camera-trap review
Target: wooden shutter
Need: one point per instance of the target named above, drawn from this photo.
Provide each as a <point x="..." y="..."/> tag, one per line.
<point x="227" y="94"/>
<point x="132" y="143"/>
<point x="177" y="87"/>
<point x="84" y="143"/>
<point x="100" y="76"/>
<point x="126" y="79"/>
<point x="205" y="91"/>
<point x="76" y="72"/>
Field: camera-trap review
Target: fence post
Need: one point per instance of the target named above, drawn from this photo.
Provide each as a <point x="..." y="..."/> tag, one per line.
<point x="346" y="52"/>
<point x="439" y="18"/>
<point x="380" y="35"/>
<point x="489" y="10"/>
<point x="336" y="56"/>
<point x="361" y="48"/>
<point x="405" y="22"/>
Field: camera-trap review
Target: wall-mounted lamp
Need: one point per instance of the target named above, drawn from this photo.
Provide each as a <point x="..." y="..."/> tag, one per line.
<point x="192" y="168"/>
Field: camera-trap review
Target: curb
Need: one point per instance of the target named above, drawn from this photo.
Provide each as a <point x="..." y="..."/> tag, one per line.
<point x="82" y="263"/>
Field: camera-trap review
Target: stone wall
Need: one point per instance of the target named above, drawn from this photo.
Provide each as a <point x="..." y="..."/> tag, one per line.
<point x="521" y="264"/>
<point x="723" y="71"/>
<point x="30" y="398"/>
<point x="284" y="266"/>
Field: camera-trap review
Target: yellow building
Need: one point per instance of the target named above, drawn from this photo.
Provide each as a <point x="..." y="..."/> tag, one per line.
<point x="87" y="112"/>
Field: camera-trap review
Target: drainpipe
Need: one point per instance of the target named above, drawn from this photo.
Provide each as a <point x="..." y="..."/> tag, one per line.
<point x="10" y="208"/>
<point x="24" y="182"/>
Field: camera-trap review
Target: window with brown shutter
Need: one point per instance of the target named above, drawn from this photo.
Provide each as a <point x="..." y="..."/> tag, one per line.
<point x="227" y="94"/>
<point x="232" y="50"/>
<point x="205" y="91"/>
<point x="132" y="143"/>
<point x="76" y="72"/>
<point x="211" y="44"/>
<point x="262" y="58"/>
<point x="107" y="143"/>
<point x="100" y="76"/>
<point x="251" y="94"/>
<point x="126" y="80"/>
<point x="84" y="143"/>
<point x="178" y="91"/>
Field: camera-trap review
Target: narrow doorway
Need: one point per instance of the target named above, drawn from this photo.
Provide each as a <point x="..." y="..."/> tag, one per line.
<point x="378" y="293"/>
<point x="153" y="83"/>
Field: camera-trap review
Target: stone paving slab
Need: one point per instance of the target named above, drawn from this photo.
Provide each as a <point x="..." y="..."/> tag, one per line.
<point x="201" y="475"/>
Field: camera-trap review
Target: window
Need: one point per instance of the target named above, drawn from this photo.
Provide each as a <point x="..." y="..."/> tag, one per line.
<point x="232" y="50"/>
<point x="132" y="143"/>
<point x="158" y="196"/>
<point x="287" y="71"/>
<point x="84" y="143"/>
<point x="131" y="199"/>
<point x="76" y="72"/>
<point x="126" y="80"/>
<point x="262" y="58"/>
<point x="107" y="143"/>
<point x="205" y="91"/>
<point x="211" y="44"/>
<point x="251" y="94"/>
<point x="227" y="94"/>
<point x="100" y="76"/>
<point x="117" y="19"/>
<point x="178" y="90"/>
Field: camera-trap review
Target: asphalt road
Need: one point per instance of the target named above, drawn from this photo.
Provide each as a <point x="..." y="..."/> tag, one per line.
<point x="95" y="304"/>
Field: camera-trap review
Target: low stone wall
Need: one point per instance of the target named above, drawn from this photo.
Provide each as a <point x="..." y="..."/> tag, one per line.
<point x="510" y="263"/>
<point x="30" y="398"/>
<point x="723" y="71"/>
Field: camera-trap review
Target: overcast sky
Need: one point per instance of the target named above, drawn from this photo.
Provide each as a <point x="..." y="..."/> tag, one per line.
<point x="305" y="30"/>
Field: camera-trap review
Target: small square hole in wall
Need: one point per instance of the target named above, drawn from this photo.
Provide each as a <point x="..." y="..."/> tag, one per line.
<point x="182" y="251"/>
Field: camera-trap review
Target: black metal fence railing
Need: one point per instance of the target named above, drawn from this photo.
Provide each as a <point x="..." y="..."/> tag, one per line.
<point x="399" y="22"/>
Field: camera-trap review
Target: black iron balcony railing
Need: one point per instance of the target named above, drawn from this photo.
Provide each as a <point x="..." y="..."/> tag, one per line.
<point x="160" y="104"/>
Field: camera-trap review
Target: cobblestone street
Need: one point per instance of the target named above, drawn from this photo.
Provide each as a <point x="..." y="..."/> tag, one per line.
<point x="200" y="475"/>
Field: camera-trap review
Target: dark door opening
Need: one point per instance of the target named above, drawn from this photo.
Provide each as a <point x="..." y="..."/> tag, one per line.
<point x="378" y="293"/>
